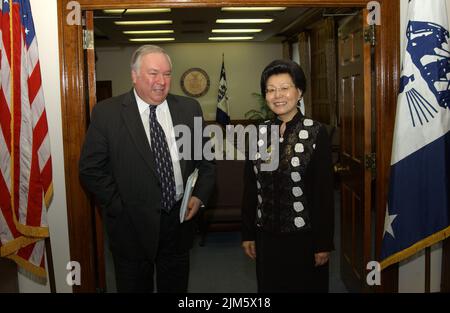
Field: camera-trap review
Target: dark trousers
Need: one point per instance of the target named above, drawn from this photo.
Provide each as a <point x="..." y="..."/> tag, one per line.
<point x="171" y="263"/>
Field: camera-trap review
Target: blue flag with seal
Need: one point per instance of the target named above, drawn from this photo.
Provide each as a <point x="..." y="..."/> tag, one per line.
<point x="222" y="114"/>
<point x="418" y="209"/>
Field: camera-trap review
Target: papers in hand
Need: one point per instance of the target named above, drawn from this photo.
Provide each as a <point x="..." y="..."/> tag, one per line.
<point x="192" y="179"/>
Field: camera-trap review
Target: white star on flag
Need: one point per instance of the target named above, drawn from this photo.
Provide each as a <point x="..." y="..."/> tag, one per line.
<point x="388" y="219"/>
<point x="26" y="31"/>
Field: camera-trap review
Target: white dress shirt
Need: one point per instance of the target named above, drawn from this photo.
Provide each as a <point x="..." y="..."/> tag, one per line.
<point x="165" y="120"/>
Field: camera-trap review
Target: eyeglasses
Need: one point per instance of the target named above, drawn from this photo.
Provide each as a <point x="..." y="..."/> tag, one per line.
<point x="283" y="90"/>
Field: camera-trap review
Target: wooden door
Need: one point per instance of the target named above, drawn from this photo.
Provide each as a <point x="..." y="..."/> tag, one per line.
<point x="355" y="120"/>
<point x="90" y="80"/>
<point x="323" y="71"/>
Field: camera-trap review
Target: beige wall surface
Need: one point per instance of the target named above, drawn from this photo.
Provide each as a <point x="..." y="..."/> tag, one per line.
<point x="244" y="63"/>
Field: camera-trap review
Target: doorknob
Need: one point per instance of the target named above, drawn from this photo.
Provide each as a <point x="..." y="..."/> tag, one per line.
<point x="340" y="169"/>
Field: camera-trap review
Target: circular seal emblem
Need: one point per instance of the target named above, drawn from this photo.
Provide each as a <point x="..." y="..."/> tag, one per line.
<point x="195" y="82"/>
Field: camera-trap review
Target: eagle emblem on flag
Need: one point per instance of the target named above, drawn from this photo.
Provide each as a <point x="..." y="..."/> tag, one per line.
<point x="427" y="46"/>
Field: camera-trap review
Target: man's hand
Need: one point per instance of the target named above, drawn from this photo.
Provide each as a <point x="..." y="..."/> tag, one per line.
<point x="321" y="258"/>
<point x="192" y="209"/>
<point x="249" y="248"/>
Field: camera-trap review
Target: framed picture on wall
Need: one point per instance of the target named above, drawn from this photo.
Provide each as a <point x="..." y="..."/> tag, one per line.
<point x="195" y="82"/>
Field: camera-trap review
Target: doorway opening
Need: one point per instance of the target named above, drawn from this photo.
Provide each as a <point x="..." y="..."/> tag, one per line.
<point x="74" y="73"/>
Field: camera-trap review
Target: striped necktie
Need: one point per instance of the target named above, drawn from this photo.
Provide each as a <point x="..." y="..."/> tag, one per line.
<point x="163" y="161"/>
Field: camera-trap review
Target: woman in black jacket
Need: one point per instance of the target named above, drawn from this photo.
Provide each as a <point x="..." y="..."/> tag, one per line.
<point x="288" y="218"/>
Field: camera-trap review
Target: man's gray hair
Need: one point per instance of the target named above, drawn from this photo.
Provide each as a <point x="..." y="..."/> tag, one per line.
<point x="143" y="50"/>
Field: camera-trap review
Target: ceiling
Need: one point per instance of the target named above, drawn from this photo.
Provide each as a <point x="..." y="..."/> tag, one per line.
<point x="194" y="25"/>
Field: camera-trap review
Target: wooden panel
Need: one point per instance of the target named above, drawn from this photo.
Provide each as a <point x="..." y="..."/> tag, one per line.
<point x="352" y="73"/>
<point x="90" y="64"/>
<point x="358" y="121"/>
<point x="305" y="62"/>
<point x="357" y="46"/>
<point x="346" y="52"/>
<point x="97" y="227"/>
<point x="73" y="109"/>
<point x="100" y="4"/>
<point x="359" y="260"/>
<point x="323" y="72"/>
<point x="74" y="113"/>
<point x="331" y="70"/>
<point x="346" y="113"/>
<point x="388" y="40"/>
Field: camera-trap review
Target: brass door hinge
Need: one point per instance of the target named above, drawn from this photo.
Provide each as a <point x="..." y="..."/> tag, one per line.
<point x="370" y="161"/>
<point x="88" y="39"/>
<point x="369" y="35"/>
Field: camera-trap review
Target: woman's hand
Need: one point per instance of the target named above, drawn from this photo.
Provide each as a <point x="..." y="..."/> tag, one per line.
<point x="321" y="258"/>
<point x="249" y="248"/>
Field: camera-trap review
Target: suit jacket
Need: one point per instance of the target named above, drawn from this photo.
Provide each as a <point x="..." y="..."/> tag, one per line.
<point x="117" y="167"/>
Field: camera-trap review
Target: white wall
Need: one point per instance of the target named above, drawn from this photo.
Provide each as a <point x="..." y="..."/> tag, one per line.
<point x="46" y="24"/>
<point x="244" y="63"/>
<point x="412" y="270"/>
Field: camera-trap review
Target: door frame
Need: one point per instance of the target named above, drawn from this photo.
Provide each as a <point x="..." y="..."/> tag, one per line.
<point x="74" y="114"/>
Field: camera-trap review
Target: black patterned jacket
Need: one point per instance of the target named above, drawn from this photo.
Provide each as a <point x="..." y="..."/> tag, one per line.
<point x="298" y="195"/>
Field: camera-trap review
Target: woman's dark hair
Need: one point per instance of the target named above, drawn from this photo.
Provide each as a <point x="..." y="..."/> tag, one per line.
<point x="284" y="67"/>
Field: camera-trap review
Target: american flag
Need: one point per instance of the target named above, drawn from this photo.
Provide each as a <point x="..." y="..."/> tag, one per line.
<point x="26" y="185"/>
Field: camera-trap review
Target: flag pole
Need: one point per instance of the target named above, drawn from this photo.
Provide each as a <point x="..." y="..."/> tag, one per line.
<point x="51" y="271"/>
<point x="445" y="268"/>
<point x="12" y="108"/>
<point x="427" y="269"/>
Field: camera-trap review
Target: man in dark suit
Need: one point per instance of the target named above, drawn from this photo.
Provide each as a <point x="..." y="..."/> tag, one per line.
<point x="130" y="162"/>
